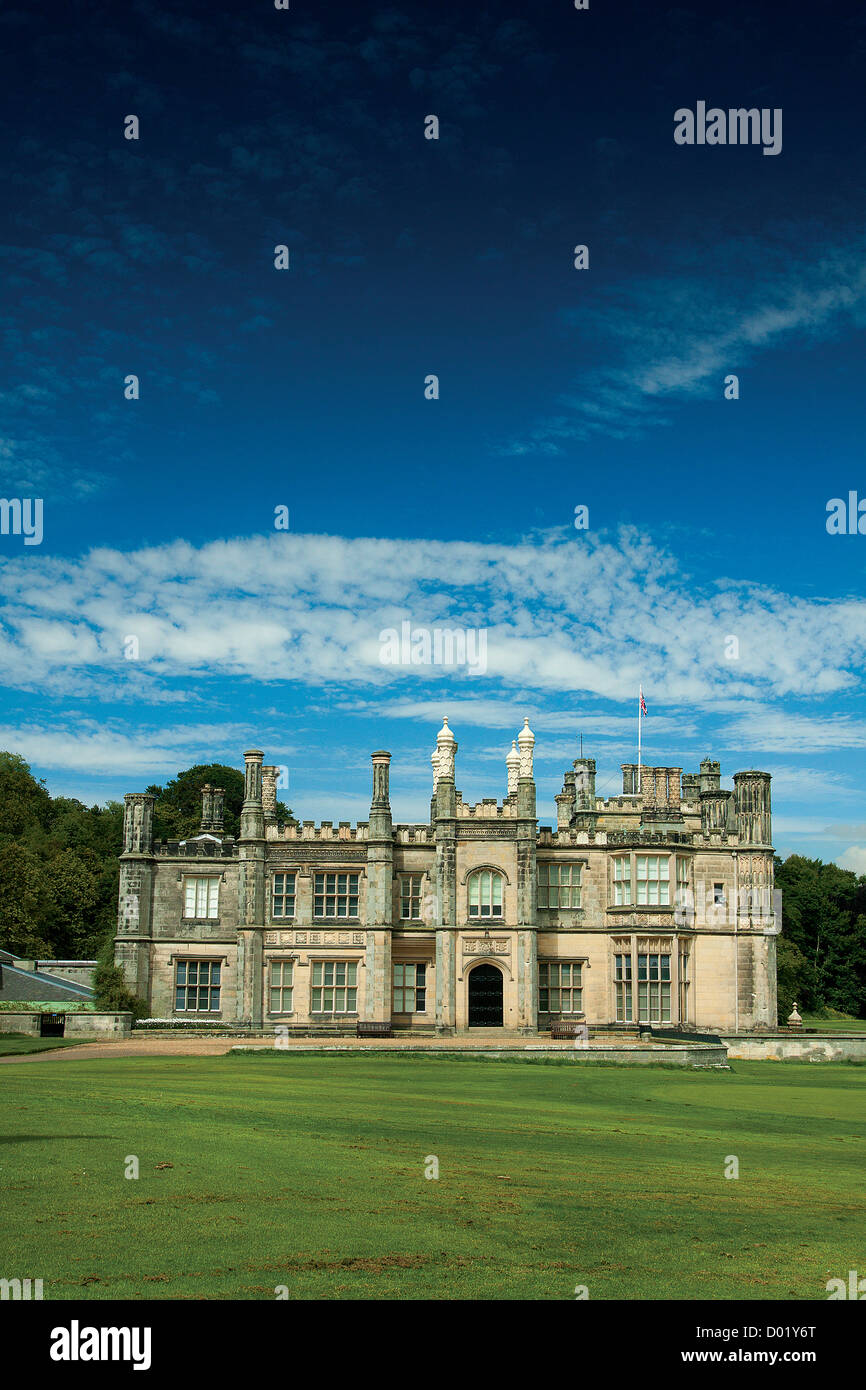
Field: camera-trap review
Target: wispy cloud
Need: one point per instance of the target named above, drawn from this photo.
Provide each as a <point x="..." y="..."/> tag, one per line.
<point x="675" y="337"/>
<point x="593" y="620"/>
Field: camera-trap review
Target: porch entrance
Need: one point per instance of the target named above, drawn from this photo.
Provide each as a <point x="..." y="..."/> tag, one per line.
<point x="485" y="997"/>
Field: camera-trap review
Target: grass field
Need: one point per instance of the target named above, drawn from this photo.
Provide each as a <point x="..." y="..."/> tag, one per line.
<point x="834" y="1025"/>
<point x="309" y="1172"/>
<point x="16" y="1044"/>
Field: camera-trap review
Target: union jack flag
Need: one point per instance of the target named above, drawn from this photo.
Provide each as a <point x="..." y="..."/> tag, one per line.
<point x="642" y="702"/>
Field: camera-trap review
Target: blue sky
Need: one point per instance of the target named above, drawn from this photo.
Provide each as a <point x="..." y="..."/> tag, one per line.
<point x="305" y="389"/>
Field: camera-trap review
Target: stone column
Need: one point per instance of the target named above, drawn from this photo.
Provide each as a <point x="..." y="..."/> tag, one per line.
<point x="527" y="981"/>
<point x="135" y="895"/>
<point x="445" y="830"/>
<point x="269" y="794"/>
<point x="251" y="892"/>
<point x="380" y="874"/>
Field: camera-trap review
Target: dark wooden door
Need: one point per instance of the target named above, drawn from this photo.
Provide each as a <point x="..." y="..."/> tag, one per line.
<point x="485" y="997"/>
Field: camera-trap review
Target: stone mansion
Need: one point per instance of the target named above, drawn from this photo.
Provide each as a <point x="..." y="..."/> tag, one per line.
<point x="654" y="906"/>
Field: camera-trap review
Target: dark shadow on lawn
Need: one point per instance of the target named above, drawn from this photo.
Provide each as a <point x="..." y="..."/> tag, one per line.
<point x="53" y="1138"/>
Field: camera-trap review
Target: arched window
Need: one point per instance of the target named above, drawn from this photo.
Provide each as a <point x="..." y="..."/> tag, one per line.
<point x="485" y="893"/>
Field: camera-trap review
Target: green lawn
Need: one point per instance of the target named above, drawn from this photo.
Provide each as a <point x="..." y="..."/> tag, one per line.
<point x="309" y="1171"/>
<point x="835" y="1025"/>
<point x="14" y="1044"/>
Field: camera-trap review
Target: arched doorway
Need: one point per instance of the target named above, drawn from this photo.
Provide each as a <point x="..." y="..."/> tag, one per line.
<point x="485" y="997"/>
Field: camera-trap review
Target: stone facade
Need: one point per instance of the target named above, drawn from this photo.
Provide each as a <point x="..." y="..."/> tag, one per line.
<point x="655" y="906"/>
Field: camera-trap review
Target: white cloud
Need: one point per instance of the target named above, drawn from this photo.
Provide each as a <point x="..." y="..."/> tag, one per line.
<point x="94" y="749"/>
<point x="853" y="858"/>
<point x="588" y="621"/>
<point x="678" y="336"/>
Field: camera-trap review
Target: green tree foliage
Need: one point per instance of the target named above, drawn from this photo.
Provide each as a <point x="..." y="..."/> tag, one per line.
<point x="112" y="991"/>
<point x="822" y="951"/>
<point x="59" y="861"/>
<point x="177" y="810"/>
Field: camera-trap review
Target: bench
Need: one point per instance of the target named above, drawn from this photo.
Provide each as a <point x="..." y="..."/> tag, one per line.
<point x="568" y="1028"/>
<point x="374" y="1029"/>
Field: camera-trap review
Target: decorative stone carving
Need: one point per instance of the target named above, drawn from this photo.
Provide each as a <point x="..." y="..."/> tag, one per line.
<point x="446" y="749"/>
<point x="526" y="743"/>
<point x="512" y="762"/>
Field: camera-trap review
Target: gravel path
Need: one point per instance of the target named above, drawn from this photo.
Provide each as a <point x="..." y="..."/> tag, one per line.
<point x="213" y="1047"/>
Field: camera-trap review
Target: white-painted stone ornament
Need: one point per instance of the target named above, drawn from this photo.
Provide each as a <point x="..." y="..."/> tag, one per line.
<point x="526" y="743"/>
<point x="512" y="762"/>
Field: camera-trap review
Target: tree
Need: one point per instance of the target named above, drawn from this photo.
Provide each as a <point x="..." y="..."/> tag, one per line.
<point x="24" y="803"/>
<point x="26" y="927"/>
<point x="112" y="992"/>
<point x="177" y="810"/>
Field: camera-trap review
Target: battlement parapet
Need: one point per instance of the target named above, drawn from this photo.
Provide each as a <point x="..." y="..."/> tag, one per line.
<point x="551" y="839"/>
<point x="652" y="838"/>
<point x="414" y="834"/>
<point x="488" y="809"/>
<point x="196" y="849"/>
<point x="309" y="830"/>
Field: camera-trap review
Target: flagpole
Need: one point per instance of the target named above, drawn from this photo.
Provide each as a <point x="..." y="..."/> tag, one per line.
<point x="640" y="712"/>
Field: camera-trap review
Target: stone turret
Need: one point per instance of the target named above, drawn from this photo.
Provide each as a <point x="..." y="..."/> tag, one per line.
<point x="512" y="762"/>
<point x="716" y="802"/>
<point x="691" y="787"/>
<point x="138" y="823"/>
<point x="270" y="776"/>
<point x="380" y="844"/>
<point x="526" y="781"/>
<point x="446" y="753"/>
<point x="252" y="811"/>
<point x="711" y="780"/>
<point x="753" y="809"/>
<point x="584" y="784"/>
<point x="212" y="809"/>
<point x="565" y="802"/>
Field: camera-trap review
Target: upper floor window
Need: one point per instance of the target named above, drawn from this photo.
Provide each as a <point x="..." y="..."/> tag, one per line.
<point x="622" y="881"/>
<point x="683" y="882"/>
<point x="559" y="885"/>
<point x="410" y="897"/>
<point x="284" y="895"/>
<point x="335" y="895"/>
<point x="201" y="897"/>
<point x="485" y="893"/>
<point x="653" y="879"/>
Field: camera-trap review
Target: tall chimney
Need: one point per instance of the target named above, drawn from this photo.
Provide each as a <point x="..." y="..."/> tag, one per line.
<point x="269" y="793"/>
<point x="252" y="811"/>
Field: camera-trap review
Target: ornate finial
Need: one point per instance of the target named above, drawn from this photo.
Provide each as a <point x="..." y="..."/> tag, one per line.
<point x="526" y="743"/>
<point x="512" y="762"/>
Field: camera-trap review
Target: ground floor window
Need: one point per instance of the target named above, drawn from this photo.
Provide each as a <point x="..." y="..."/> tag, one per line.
<point x="410" y="989"/>
<point x="559" y="987"/>
<point x="622" y="986"/>
<point x="335" y="987"/>
<point x="684" y="986"/>
<point x="197" y="986"/>
<point x="654" y="988"/>
<point x="280" y="982"/>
